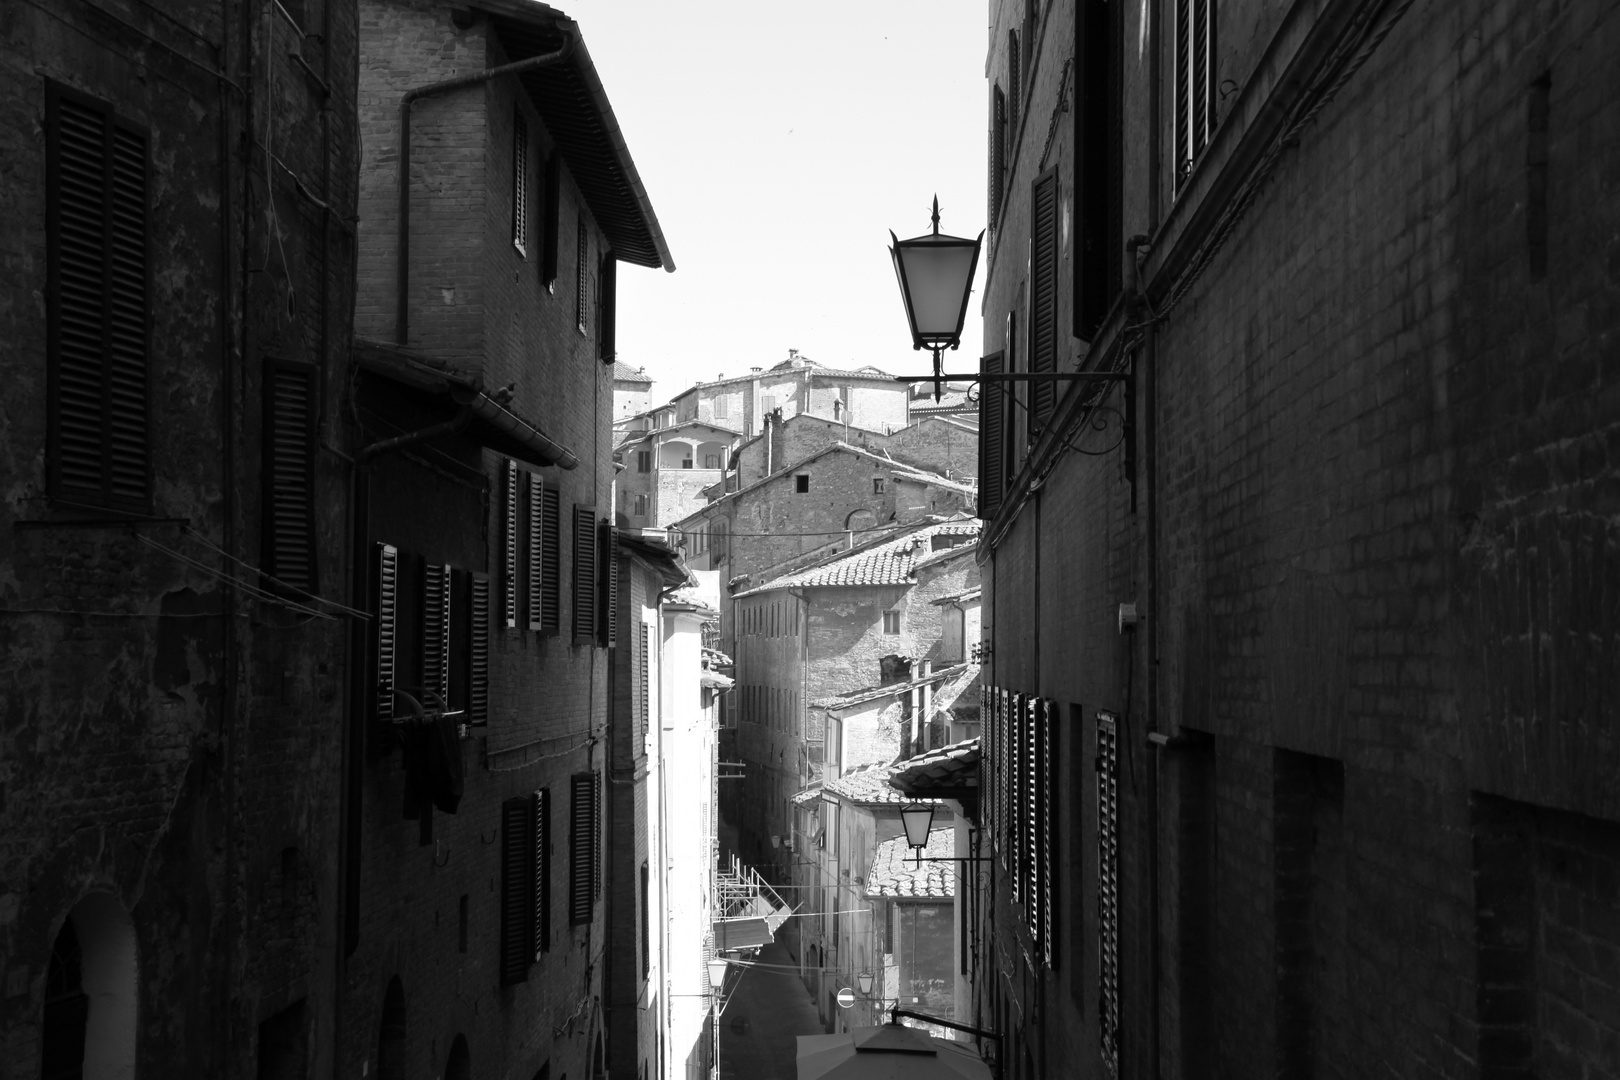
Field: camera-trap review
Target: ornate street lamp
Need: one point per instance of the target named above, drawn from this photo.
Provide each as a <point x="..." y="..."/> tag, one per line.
<point x="864" y="981"/>
<point x="918" y="818"/>
<point x="936" y="277"/>
<point x="717" y="974"/>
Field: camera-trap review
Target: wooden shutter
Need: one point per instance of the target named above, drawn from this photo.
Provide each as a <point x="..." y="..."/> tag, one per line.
<point x="478" y="651"/>
<point x="998" y="162"/>
<point x="988" y="753"/>
<point x="520" y="181"/>
<point x="287" y="493"/>
<point x="596" y="836"/>
<point x="581" y="847"/>
<point x="386" y="630"/>
<point x="992" y="438"/>
<point x="534" y="599"/>
<point x="606" y="333"/>
<point x="541" y="803"/>
<point x="1015" y="86"/>
<point x="551" y="559"/>
<point x="1049" y="832"/>
<point x="517" y="889"/>
<point x="510" y="481"/>
<point x="646" y="685"/>
<point x="1020" y="780"/>
<point x="1043" y="292"/>
<point x="1108" y="889"/>
<point x="436" y="635"/>
<point x="97" y="295"/>
<point x="1028" y="799"/>
<point x="582" y="277"/>
<point x="1195" y="104"/>
<point x="584" y="575"/>
<point x="607" y="623"/>
<point x="553" y="221"/>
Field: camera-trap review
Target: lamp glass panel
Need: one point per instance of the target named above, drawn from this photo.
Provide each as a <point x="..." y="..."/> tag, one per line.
<point x="717" y="973"/>
<point x="937" y="278"/>
<point x="917" y="819"/>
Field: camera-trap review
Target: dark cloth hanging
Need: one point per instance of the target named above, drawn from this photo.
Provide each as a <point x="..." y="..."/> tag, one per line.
<point x="433" y="771"/>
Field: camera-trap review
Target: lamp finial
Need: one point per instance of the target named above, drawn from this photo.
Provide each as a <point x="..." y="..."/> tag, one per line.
<point x="936" y="215"/>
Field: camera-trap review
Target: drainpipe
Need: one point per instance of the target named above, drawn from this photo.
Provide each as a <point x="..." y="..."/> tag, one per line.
<point x="402" y="312"/>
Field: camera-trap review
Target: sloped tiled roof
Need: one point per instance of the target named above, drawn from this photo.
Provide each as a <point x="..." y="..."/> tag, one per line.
<point x="804" y="364"/>
<point x="893" y="873"/>
<point x="888" y="562"/>
<point x="867" y="784"/>
<point x="870" y="693"/>
<point x="938" y="772"/>
<point x="807" y="796"/>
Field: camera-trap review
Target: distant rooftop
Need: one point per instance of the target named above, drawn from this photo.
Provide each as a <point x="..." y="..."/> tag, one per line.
<point x="888" y="561"/>
<point x="894" y="874"/>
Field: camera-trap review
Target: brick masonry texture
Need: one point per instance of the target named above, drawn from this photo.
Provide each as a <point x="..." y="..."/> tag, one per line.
<point x="1383" y="507"/>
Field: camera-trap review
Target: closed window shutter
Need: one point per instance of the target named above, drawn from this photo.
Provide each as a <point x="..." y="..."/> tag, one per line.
<point x="1029" y="799"/>
<point x="646" y="683"/>
<point x="581" y="847"/>
<point x="1049" y="832"/>
<point x="596" y="836"/>
<point x="608" y="618"/>
<point x="478" y="651"/>
<point x="606" y="342"/>
<point x="386" y="630"/>
<point x="1043" y="291"/>
<point x="998" y="162"/>
<point x="517" y="885"/>
<point x="1195" y="105"/>
<point x="541" y="803"/>
<point x="585" y="568"/>
<point x="534" y="599"/>
<point x="1004" y="778"/>
<point x="1015" y="87"/>
<point x="582" y="277"/>
<point x="97" y="291"/>
<point x="288" y="476"/>
<point x="551" y="559"/>
<point x="1108" y="890"/>
<point x="1016" y="839"/>
<point x="436" y="635"/>
<point x="992" y="439"/>
<point x="510" y="481"/>
<point x="987" y="758"/>
<point x="553" y="221"/>
<point x="520" y="182"/>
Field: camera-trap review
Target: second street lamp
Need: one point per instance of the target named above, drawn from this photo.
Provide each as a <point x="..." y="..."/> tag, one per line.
<point x="935" y="272"/>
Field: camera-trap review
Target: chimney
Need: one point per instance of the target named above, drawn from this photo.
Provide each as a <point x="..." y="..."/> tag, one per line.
<point x="756" y="370"/>
<point x="793" y="354"/>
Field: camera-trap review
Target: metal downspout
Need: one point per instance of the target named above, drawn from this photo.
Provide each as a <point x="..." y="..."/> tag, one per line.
<point x="403" y="279"/>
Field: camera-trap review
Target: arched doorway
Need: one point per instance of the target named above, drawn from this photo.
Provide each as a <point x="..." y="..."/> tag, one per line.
<point x="391" y="1033"/>
<point x="458" y="1066"/>
<point x="89" y="1015"/>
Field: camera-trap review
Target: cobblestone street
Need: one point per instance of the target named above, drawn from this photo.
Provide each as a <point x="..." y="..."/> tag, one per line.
<point x="768" y="1009"/>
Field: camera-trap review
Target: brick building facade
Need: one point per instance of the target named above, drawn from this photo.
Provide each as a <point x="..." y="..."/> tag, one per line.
<point x="1340" y="802"/>
<point x="175" y="296"/>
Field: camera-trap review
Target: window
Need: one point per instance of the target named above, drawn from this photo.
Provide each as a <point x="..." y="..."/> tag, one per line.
<point x="97" y="291"/>
<point x="288" y="512"/>
<point x="877" y="485"/>
<point x="686" y="463"/>
<point x="520" y="182"/>
<point x="643" y="461"/>
<point x="891" y="622"/>
<point x="1195" y="116"/>
<point x="519" y="866"/>
<point x="644" y="674"/>
<point x="582" y="278"/>
<point x="722" y="407"/>
<point x="584" y="819"/>
<point x="607" y="619"/>
<point x="1108" y="886"/>
<point x="385" y="629"/>
<point x="584" y="575"/>
<point x="992" y="439"/>
<point x="998" y="160"/>
<point x="641" y="506"/>
<point x="552" y="223"/>
<point x="545" y="584"/>
<point x="801" y="483"/>
<point x="436" y="633"/>
<point x="511" y="478"/>
<point x="1043" y="294"/>
<point x="1098" y="179"/>
<point x="1015" y="87"/>
<point x="646" y="930"/>
<point x="711" y="461"/>
<point x="607" y="316"/>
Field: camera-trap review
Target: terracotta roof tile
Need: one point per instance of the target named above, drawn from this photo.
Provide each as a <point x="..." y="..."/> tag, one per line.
<point x="893" y="873"/>
<point x="866" y="784"/>
<point x="887" y="563"/>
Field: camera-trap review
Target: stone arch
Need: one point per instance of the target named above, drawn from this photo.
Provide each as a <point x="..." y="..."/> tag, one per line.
<point x="391" y="1033"/>
<point x="458" y="1066"/>
<point x="708" y="452"/>
<point x="91" y="994"/>
<point x="860" y="519"/>
<point x="675" y="454"/>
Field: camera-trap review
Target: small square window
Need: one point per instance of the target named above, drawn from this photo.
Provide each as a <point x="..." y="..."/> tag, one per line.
<point x="641" y="506"/>
<point x="891" y="622"/>
<point x="801" y="483"/>
<point x="877" y="485"/>
<point x="643" y="461"/>
<point x="711" y="461"/>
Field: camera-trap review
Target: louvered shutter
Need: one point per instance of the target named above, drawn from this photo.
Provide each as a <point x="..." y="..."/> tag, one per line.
<point x="1108" y="890"/>
<point x="1015" y="838"/>
<point x="534" y="600"/>
<point x="1195" y="105"/>
<point x="1028" y="800"/>
<point x="1043" y="293"/>
<point x="517" y="890"/>
<point x="607" y="314"/>
<point x="582" y="277"/>
<point x="585" y="568"/>
<point x="97" y="292"/>
<point x="510" y="481"/>
<point x="596" y="836"/>
<point x="436" y="635"/>
<point x="608" y="565"/>
<point x="553" y="221"/>
<point x="1004" y="775"/>
<point x="581" y="847"/>
<point x="1015" y="86"/>
<point x="520" y="182"/>
<point x="288" y="476"/>
<point x="1183" y="133"/>
<point x="478" y="651"/>
<point x="998" y="163"/>
<point x="551" y="559"/>
<point x="992" y="438"/>
<point x="1049" y="832"/>
<point x="386" y="630"/>
<point x="645" y="674"/>
<point x="987" y="757"/>
<point x="541" y="804"/>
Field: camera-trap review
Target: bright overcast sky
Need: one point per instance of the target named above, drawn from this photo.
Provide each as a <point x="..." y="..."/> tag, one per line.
<point x="779" y="143"/>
